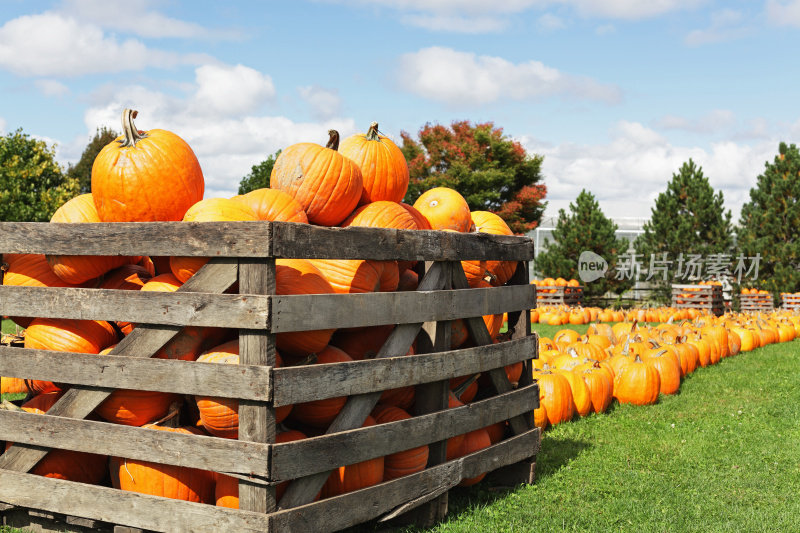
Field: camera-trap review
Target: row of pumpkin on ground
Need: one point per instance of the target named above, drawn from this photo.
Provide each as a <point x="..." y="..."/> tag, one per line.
<point x="633" y="363"/>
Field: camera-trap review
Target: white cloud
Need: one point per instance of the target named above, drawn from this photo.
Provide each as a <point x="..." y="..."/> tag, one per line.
<point x="455" y="23"/>
<point x="605" y="29"/>
<point x="550" y="22"/>
<point x="454" y="77"/>
<point x="726" y="25"/>
<point x="226" y="144"/>
<point x="136" y="18"/>
<point x="782" y="13"/>
<point x="226" y="90"/>
<point x="715" y="121"/>
<point x="627" y="173"/>
<point x="630" y="9"/>
<point x="50" y="44"/>
<point x="51" y="87"/>
<point x="324" y="103"/>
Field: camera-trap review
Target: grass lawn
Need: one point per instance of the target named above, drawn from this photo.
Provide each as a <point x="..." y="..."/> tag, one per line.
<point x="721" y="455"/>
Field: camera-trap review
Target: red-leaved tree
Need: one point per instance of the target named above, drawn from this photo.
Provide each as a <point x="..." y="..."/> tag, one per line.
<point x="491" y="171"/>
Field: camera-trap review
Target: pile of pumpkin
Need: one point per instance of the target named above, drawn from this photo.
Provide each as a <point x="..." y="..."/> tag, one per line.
<point x="360" y="183"/>
<point x="546" y="285"/>
<point x="576" y="315"/>
<point x="581" y="374"/>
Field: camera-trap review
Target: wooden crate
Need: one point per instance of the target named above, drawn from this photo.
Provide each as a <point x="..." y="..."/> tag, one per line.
<point x="559" y="295"/>
<point x="244" y="253"/>
<point x="790" y="300"/>
<point x="704" y="297"/>
<point x="756" y="302"/>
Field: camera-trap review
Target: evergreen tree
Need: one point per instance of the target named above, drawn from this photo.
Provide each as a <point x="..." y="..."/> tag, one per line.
<point x="689" y="219"/>
<point x="82" y="170"/>
<point x="259" y="175"/>
<point x="491" y="171"/>
<point x="32" y="185"/>
<point x="769" y="224"/>
<point x="584" y="229"/>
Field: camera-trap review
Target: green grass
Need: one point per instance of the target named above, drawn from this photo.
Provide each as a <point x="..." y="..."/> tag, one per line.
<point x="721" y="455"/>
<point x="8" y="326"/>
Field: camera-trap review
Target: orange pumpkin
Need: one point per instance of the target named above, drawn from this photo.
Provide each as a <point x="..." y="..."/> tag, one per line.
<point x="145" y="176"/>
<point x="444" y="208"/>
<point x="275" y="205"/>
<point x="77" y="269"/>
<point x="383" y="165"/>
<point x="637" y="383"/>
<point x="320" y="413"/>
<point x="499" y="272"/>
<point x="327" y="184"/>
<point x="403" y="463"/>
<point x="356" y="476"/>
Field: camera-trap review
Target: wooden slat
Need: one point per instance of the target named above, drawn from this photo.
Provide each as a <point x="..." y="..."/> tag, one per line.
<point x="316" y="382"/>
<point x="205" y="453"/>
<point x="315" y="242"/>
<point x="172" y="308"/>
<point x="144" y="341"/>
<point x="372" y="502"/>
<point x="256" y="239"/>
<point x="290" y="313"/>
<point x="308" y="456"/>
<point x="125" y="508"/>
<point x="203" y="239"/>
<point x="118" y="372"/>
<point x="358" y="407"/>
<point x="256" y="347"/>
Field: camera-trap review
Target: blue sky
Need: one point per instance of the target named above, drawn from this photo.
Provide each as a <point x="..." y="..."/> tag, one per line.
<point x="615" y="94"/>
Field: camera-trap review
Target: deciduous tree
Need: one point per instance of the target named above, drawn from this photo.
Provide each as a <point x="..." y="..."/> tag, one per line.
<point x="82" y="170"/>
<point x="258" y="178"/>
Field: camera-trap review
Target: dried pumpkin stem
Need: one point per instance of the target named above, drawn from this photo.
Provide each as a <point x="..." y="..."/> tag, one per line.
<point x="130" y="134"/>
<point x="372" y="132"/>
<point x="333" y="141"/>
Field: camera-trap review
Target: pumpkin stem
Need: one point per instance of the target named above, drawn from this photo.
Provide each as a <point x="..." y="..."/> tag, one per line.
<point x="372" y="132"/>
<point x="131" y="134"/>
<point x="333" y="141"/>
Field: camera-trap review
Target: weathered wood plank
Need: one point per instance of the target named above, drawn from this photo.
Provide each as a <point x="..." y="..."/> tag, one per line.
<point x="340" y="512"/>
<point x="256" y="347"/>
<point x="358" y="407"/>
<point x="308" y="456"/>
<point x="290" y="313"/>
<point x="249" y="382"/>
<point x="144" y="341"/>
<point x="124" y="508"/>
<point x="172" y="308"/>
<point x="195" y="451"/>
<point x="257" y="239"/>
<point x="292" y="384"/>
<point x="315" y="242"/>
<point x="372" y="502"/>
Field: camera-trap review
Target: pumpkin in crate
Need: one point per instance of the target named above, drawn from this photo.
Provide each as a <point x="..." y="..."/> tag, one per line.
<point x="497" y="272"/>
<point x="65" y="464"/>
<point x="12" y="385"/>
<point x="134" y="407"/>
<point x="30" y="270"/>
<point x="474" y="441"/>
<point x="220" y="416"/>
<point x="445" y="208"/>
<point x="383" y="166"/>
<point x="351" y="276"/>
<point x="226" y="490"/>
<point x="208" y="210"/>
<point x="275" y="205"/>
<point x="145" y="176"/>
<point x="65" y="335"/>
<point x="320" y="413"/>
<point x="403" y="463"/>
<point x="356" y="476"/>
<point x="300" y="276"/>
<point x="126" y="278"/>
<point x="78" y="269"/>
<point x="167" y="481"/>
<point x="362" y="343"/>
<point x="324" y="182"/>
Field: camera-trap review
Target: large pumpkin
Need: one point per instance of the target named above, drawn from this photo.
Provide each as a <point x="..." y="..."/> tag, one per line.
<point x="444" y="208"/>
<point x="208" y="210"/>
<point x="168" y="481"/>
<point x="383" y="166"/>
<point x="637" y="383"/>
<point x="403" y="463"/>
<point x="275" y="205"/>
<point x="77" y="269"/>
<point x="320" y="413"/>
<point x="356" y="476"/>
<point x="326" y="183"/>
<point x="125" y="278"/>
<point x="498" y="272"/>
<point x="220" y="416"/>
<point x="64" y="335"/>
<point x="145" y="176"/>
